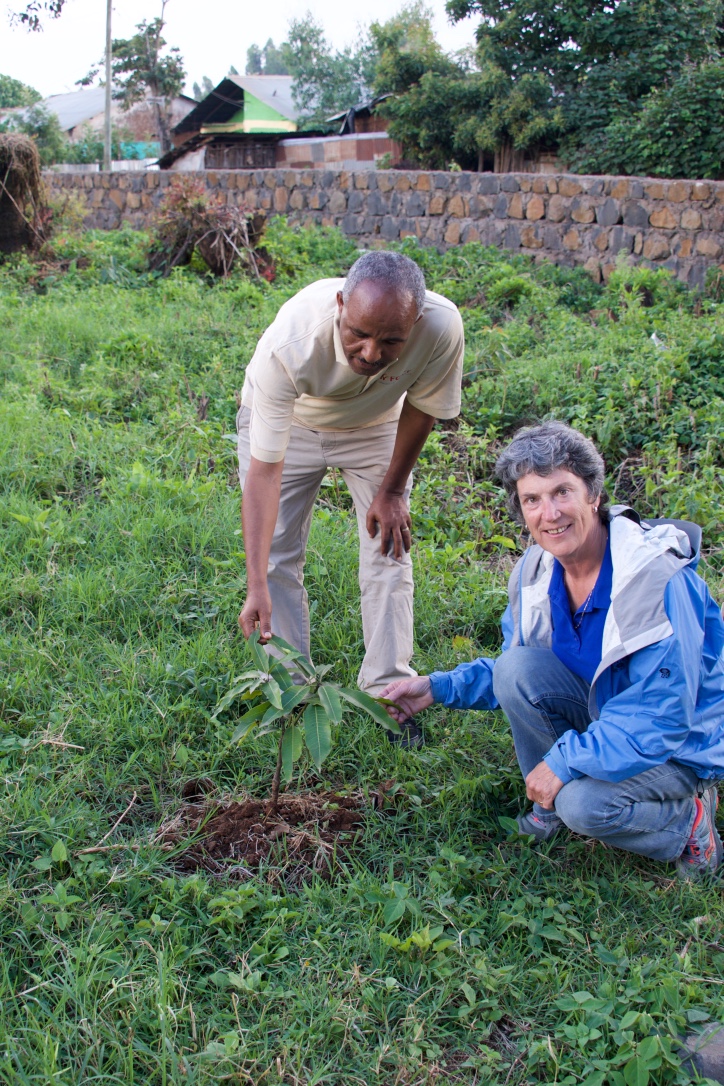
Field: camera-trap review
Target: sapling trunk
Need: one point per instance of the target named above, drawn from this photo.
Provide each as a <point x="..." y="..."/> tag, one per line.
<point x="277" y="774"/>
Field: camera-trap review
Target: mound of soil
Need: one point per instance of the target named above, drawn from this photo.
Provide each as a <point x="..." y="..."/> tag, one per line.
<point x="304" y="836"/>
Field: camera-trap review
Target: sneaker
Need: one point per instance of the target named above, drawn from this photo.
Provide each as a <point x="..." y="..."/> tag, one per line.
<point x="410" y="735"/>
<point x="703" y="852"/>
<point x="543" y="829"/>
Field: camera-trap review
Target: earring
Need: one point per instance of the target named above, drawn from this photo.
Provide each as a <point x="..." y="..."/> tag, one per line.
<point x="595" y="509"/>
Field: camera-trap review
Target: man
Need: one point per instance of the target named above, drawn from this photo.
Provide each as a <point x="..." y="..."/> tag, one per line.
<point x="351" y="374"/>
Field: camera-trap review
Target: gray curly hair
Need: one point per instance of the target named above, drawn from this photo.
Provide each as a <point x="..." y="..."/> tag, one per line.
<point x="543" y="449"/>
<point x="395" y="270"/>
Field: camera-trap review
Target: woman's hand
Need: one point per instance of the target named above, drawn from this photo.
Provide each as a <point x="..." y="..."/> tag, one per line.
<point x="542" y="785"/>
<point x="410" y="695"/>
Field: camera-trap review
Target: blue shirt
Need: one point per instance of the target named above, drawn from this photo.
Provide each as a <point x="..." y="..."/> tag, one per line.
<point x="577" y="639"/>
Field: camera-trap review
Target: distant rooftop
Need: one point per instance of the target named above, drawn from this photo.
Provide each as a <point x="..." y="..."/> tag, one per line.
<point x="227" y="98"/>
<point x="75" y="107"/>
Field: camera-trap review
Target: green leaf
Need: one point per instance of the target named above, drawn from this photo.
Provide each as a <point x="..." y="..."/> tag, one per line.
<point x="59" y="853"/>
<point x="271" y="715"/>
<point x="248" y="720"/>
<point x="256" y="652"/>
<point x="278" y="671"/>
<point x="393" y="910"/>
<point x="509" y="825"/>
<point x="318" y="733"/>
<point x="292" y="654"/>
<point x="636" y="1072"/>
<point x="292" y="741"/>
<point x="503" y="541"/>
<point x="241" y="684"/>
<point x="292" y="697"/>
<point x="330" y="699"/>
<point x="369" y="705"/>
<point x="181" y="756"/>
<point x="273" y="692"/>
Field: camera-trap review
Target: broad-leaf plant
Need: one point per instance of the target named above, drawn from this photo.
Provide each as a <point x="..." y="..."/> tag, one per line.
<point x="288" y="694"/>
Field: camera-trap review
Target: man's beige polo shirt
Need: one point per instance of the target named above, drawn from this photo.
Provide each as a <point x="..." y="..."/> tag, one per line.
<point x="299" y="373"/>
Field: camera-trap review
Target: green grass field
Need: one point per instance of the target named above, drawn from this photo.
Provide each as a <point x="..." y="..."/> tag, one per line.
<point x="442" y="950"/>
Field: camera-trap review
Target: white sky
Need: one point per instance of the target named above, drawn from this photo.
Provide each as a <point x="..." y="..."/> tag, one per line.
<point x="211" y="35"/>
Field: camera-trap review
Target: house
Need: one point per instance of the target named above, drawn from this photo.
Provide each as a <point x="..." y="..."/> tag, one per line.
<point x="236" y="126"/>
<point x="250" y="122"/>
<point x="81" y="110"/>
<point x="361" y="118"/>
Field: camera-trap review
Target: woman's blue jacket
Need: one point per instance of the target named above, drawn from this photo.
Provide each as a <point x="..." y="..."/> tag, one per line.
<point x="658" y="693"/>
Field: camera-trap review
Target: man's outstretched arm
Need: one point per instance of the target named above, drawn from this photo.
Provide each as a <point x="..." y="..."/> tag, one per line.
<point x="389" y="511"/>
<point x="259" y="511"/>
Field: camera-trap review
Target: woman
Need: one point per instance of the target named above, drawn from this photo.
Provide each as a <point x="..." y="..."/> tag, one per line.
<point x="612" y="670"/>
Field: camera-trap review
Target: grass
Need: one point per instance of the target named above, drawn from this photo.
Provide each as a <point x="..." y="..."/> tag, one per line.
<point x="444" y="951"/>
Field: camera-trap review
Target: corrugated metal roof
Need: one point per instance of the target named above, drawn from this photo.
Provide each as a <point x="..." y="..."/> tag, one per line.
<point x="76" y="107"/>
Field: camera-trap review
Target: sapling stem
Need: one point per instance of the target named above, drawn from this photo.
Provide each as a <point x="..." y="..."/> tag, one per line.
<point x="277" y="773"/>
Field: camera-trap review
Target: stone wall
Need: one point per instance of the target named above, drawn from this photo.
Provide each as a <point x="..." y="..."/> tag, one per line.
<point x="568" y="219"/>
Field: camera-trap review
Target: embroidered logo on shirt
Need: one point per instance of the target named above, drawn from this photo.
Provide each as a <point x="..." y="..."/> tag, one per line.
<point x="664" y="672"/>
<point x="391" y="377"/>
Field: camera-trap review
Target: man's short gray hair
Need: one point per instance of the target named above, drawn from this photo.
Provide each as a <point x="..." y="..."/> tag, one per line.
<point x="397" y="272"/>
<point x="543" y="449"/>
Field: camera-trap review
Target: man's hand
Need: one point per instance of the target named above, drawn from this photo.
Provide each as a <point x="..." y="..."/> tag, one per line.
<point x="412" y="696"/>
<point x="259" y="508"/>
<point x="542" y="785"/>
<point x="390" y="513"/>
<point x="256" y="613"/>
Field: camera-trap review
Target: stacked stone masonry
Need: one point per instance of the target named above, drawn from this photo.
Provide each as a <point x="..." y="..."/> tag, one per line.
<point x="568" y="219"/>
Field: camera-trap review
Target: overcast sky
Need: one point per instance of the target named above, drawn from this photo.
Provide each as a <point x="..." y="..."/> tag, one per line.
<point x="211" y="35"/>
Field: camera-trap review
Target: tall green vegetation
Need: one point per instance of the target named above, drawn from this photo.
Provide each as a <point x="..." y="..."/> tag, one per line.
<point x="15" y="93"/>
<point x="620" y="88"/>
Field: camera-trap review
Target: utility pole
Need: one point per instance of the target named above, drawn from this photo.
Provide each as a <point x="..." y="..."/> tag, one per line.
<point x="107" y="129"/>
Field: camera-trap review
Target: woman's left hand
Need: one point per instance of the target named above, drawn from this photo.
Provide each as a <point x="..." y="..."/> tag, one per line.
<point x="542" y="785"/>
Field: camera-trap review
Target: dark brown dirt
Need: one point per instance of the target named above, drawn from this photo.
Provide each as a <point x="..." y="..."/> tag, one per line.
<point x="305" y="836"/>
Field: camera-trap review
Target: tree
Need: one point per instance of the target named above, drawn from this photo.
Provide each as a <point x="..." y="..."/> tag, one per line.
<point x="678" y="131"/>
<point x="326" y="81"/>
<point x="585" y="64"/>
<point x="267" y="60"/>
<point x="202" y="91"/>
<point x="43" y="127"/>
<point x="407" y="49"/>
<point x="428" y="88"/>
<point x="140" y="71"/>
<point x="15" y="93"/>
<point x="302" y="713"/>
<point x="31" y="16"/>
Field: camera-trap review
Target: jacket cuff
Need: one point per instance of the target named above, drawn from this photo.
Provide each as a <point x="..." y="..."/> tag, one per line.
<point x="441" y="686"/>
<point x="557" y="763"/>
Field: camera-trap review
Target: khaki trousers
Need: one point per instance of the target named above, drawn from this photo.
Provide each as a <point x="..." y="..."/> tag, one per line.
<point x="362" y="457"/>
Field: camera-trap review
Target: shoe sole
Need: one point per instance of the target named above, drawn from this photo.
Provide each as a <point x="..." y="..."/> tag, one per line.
<point x="691" y="872"/>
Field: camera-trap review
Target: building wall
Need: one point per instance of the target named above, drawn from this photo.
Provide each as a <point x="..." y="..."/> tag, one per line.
<point x="337" y="152"/>
<point x="568" y="219"/>
<point x="254" y="117"/>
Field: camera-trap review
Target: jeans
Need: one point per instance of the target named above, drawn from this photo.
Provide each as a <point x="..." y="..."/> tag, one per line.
<point x="651" y="813"/>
